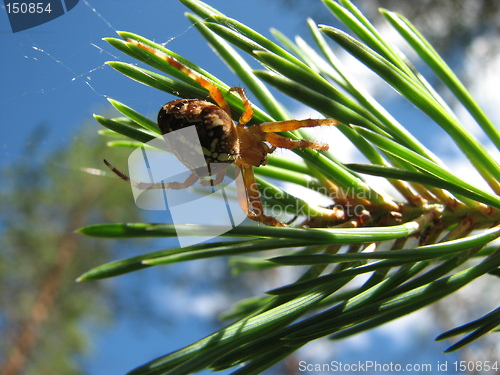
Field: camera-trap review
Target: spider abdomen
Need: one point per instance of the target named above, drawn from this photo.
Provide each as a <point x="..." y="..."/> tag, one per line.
<point x="216" y="130"/>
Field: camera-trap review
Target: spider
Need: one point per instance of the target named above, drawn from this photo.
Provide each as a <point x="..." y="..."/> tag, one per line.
<point x="223" y="141"/>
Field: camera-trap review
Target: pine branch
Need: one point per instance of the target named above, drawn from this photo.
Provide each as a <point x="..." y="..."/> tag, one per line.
<point x="454" y="221"/>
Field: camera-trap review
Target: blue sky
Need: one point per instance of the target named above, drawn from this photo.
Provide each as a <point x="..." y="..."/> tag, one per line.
<point x="55" y="75"/>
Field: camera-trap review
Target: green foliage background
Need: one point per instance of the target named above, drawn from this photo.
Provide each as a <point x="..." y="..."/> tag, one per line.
<point x="44" y="198"/>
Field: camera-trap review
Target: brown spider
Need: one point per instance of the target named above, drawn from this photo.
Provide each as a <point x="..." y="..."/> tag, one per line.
<point x="223" y="141"/>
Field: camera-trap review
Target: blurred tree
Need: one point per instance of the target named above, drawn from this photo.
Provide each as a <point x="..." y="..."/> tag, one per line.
<point x="44" y="199"/>
<point x="448" y="24"/>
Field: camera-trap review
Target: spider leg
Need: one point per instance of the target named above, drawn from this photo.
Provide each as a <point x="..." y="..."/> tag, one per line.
<point x="157" y="185"/>
<point x="216" y="181"/>
<point x="248" y="113"/>
<point x="284" y="142"/>
<point x="249" y="198"/>
<point x="269" y="128"/>
<point x="213" y="90"/>
<point x="281" y="126"/>
<point x="193" y="177"/>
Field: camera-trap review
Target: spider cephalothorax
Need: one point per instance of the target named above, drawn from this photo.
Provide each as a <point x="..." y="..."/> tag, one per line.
<point x="223" y="141"/>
